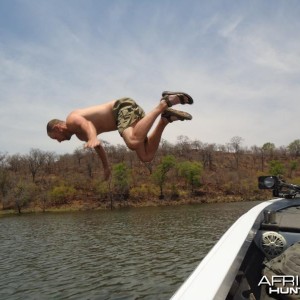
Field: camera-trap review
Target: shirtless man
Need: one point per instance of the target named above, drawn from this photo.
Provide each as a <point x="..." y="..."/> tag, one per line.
<point x="125" y="116"/>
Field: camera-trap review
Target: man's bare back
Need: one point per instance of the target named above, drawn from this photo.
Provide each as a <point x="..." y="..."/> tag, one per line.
<point x="101" y="117"/>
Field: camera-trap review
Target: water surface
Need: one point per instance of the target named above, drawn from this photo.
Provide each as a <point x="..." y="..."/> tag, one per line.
<point x="143" y="253"/>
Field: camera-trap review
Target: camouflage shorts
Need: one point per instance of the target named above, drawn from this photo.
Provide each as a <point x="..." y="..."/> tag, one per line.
<point x="126" y="112"/>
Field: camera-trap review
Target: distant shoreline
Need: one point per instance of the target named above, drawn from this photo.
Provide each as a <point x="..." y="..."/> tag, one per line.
<point x="118" y="204"/>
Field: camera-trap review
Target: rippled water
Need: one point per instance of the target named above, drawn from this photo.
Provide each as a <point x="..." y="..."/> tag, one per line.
<point x="143" y="253"/>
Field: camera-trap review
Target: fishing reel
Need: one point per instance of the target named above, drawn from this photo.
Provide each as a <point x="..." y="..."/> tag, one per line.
<point x="279" y="186"/>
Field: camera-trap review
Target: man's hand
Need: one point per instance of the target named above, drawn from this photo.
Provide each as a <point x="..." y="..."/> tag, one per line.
<point x="92" y="143"/>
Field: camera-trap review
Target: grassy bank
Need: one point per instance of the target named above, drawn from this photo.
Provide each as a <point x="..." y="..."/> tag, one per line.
<point x="89" y="205"/>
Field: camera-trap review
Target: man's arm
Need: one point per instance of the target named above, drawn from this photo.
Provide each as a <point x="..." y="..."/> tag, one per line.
<point x="102" y="154"/>
<point x="86" y="131"/>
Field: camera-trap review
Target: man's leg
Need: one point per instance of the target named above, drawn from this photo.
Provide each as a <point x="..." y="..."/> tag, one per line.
<point x="136" y="136"/>
<point x="146" y="151"/>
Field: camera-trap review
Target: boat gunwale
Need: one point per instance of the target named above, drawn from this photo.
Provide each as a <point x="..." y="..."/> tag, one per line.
<point x="222" y="281"/>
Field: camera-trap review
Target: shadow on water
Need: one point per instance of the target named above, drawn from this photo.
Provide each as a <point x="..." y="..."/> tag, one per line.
<point x="143" y="253"/>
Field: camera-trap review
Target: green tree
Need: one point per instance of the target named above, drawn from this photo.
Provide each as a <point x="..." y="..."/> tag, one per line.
<point x="101" y="188"/>
<point x="276" y="168"/>
<point x="120" y="180"/>
<point x="62" y="194"/>
<point x="191" y="172"/>
<point x="159" y="176"/>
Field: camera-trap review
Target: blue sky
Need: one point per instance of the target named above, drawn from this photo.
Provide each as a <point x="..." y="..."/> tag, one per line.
<point x="240" y="60"/>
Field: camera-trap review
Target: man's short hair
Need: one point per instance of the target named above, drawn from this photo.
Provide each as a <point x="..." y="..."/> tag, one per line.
<point x="52" y="123"/>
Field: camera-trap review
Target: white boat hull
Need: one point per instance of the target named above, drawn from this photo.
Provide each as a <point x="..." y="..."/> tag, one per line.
<point x="214" y="276"/>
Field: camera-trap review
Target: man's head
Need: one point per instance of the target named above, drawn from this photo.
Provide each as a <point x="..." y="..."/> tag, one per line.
<point x="57" y="130"/>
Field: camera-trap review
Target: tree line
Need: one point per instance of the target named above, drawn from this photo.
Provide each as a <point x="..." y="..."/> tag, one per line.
<point x="188" y="170"/>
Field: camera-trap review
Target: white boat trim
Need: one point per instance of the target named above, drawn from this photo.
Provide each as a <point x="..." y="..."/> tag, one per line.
<point x="213" y="277"/>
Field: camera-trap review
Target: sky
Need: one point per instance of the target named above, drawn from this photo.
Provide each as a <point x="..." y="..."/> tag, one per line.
<point x="238" y="59"/>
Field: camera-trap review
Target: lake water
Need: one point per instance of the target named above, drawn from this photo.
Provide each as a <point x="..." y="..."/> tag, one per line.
<point x="141" y="253"/>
